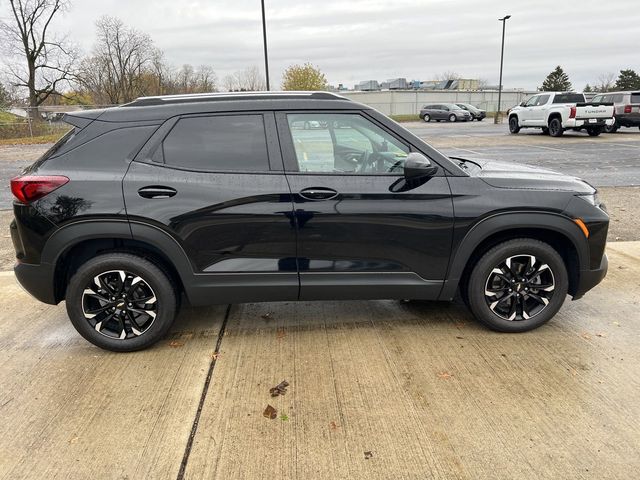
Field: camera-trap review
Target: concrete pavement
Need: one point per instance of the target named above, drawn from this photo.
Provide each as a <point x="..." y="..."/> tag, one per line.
<point x="379" y="389"/>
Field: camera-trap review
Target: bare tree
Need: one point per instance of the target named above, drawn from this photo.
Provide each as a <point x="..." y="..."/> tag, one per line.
<point x="250" y="80"/>
<point x="121" y="61"/>
<point x="229" y="83"/>
<point x="447" y="75"/>
<point x="40" y="62"/>
<point x="606" y="82"/>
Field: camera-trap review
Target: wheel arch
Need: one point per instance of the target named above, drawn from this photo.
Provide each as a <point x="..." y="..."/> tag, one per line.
<point x="71" y="246"/>
<point x="552" y="116"/>
<point x="558" y="231"/>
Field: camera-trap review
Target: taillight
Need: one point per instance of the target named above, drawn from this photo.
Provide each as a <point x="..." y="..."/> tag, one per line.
<point x="30" y="188"/>
<point x="627" y="109"/>
<point x="573" y="112"/>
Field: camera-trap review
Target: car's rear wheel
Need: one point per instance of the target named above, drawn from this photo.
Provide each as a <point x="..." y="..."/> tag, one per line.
<point x="518" y="285"/>
<point x="611" y="128"/>
<point x="427" y="118"/>
<point x="121" y="302"/>
<point x="594" y="131"/>
<point x="513" y="124"/>
<point x="555" y="127"/>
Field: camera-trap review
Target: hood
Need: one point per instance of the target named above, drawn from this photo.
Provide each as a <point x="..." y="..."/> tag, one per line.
<point x="517" y="176"/>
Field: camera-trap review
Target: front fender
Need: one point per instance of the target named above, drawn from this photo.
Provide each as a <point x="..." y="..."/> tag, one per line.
<point x="503" y="222"/>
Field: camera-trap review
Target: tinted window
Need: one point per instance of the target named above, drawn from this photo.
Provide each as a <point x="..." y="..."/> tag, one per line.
<point x="542" y="100"/>
<point x="531" y="102"/>
<point x="598" y="99"/>
<point x="344" y="143"/>
<point x="568" y="98"/>
<point x="635" y="97"/>
<point x="617" y="98"/>
<point x="222" y="142"/>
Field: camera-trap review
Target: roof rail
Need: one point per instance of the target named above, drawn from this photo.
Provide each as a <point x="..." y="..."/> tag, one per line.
<point x="213" y="97"/>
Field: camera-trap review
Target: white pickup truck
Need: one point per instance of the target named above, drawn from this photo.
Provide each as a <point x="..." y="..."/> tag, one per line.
<point x="555" y="112"/>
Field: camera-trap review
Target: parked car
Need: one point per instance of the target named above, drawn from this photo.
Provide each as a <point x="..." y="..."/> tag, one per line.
<point x="476" y="113"/>
<point x="626" y="109"/>
<point x="444" y="111"/>
<point x="218" y="199"/>
<point x="555" y="112"/>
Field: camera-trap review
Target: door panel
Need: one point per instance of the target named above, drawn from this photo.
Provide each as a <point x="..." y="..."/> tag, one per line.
<point x="359" y="239"/>
<point x="236" y="228"/>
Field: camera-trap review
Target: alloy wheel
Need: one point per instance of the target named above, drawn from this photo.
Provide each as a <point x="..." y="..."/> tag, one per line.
<point x="519" y="288"/>
<point x="119" y="304"/>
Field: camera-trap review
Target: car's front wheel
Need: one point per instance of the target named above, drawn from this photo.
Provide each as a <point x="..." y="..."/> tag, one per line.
<point x="452" y="118"/>
<point x="518" y="285"/>
<point x="121" y="302"/>
<point x="514" y="127"/>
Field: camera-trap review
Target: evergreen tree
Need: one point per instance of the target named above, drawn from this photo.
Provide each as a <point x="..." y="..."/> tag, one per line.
<point x="587" y="88"/>
<point x="556" y="81"/>
<point x="628" y="80"/>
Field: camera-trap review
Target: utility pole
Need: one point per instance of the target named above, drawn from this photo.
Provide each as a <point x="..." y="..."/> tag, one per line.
<point x="504" y="24"/>
<point x="264" y="37"/>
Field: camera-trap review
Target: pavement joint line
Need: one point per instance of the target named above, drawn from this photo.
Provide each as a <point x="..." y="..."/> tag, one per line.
<point x="467" y="150"/>
<point x="203" y="396"/>
<point x="551" y="148"/>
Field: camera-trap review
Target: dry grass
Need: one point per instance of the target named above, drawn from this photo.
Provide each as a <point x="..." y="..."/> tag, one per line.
<point x="51" y="138"/>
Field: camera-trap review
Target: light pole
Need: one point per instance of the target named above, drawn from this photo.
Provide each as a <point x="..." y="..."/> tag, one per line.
<point x="504" y="24"/>
<point x="264" y="37"/>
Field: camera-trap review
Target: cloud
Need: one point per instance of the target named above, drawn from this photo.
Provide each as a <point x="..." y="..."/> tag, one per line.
<point x="370" y="39"/>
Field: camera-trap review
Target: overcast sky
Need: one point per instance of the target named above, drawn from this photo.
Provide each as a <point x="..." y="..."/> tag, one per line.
<point x="354" y="40"/>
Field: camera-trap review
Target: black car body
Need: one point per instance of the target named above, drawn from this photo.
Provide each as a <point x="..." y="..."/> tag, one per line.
<point x="228" y="198"/>
<point x="476" y="113"/>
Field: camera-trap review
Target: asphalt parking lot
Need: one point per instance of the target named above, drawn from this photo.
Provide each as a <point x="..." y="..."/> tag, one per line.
<point x="378" y="389"/>
<point x="607" y="160"/>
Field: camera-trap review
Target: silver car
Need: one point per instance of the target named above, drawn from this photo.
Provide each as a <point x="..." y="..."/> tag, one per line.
<point x="626" y="109"/>
<point x="444" y="111"/>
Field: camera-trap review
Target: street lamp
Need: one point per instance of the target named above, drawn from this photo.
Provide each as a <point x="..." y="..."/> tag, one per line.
<point x="504" y="24"/>
<point x="264" y="37"/>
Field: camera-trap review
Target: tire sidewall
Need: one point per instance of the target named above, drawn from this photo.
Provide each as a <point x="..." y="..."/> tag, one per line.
<point x="427" y="118"/>
<point x="155" y="277"/>
<point x="557" y="131"/>
<point x="513" y="125"/>
<point x="452" y="118"/>
<point x="495" y="256"/>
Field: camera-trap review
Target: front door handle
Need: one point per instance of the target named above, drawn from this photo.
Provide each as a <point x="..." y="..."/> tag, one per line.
<point x="318" y="193"/>
<point x="157" y="191"/>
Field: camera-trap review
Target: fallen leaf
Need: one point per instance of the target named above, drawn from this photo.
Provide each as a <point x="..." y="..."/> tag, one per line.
<point x="444" y="375"/>
<point x="214" y="355"/>
<point x="73" y="440"/>
<point x="333" y="426"/>
<point x="270" y="413"/>
<point x="368" y="455"/>
<point x="279" y="389"/>
<point x="460" y="338"/>
<point x="280" y="333"/>
<point x="176" y="344"/>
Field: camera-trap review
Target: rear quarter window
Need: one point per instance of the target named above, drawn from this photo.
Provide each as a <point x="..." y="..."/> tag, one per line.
<point x="635" y="97"/>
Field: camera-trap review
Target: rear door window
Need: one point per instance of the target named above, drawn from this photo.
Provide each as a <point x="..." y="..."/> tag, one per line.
<point x="218" y="143"/>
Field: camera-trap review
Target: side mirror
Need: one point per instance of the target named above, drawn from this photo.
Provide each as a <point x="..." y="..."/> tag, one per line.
<point x="418" y="166"/>
<point x="523" y="103"/>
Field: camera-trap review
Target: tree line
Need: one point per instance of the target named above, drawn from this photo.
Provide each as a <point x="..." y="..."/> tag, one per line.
<point x="558" y="81"/>
<point x="123" y="64"/>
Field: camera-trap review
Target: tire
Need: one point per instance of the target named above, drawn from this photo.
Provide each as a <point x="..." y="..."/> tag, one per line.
<point x="453" y="118"/>
<point x="530" y="312"/>
<point x="545" y="131"/>
<point x="555" y="127"/>
<point x="611" y="128"/>
<point x="427" y="118"/>
<point x="594" y="131"/>
<point x="513" y="124"/>
<point x="98" y="282"/>
<point x="480" y="119"/>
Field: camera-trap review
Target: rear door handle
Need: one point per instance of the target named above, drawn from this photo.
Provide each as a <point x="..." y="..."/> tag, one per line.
<point x="157" y="191"/>
<point x="318" y="193"/>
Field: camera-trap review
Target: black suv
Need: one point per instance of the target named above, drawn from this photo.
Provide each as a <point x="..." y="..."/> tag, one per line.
<point x="226" y="198"/>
